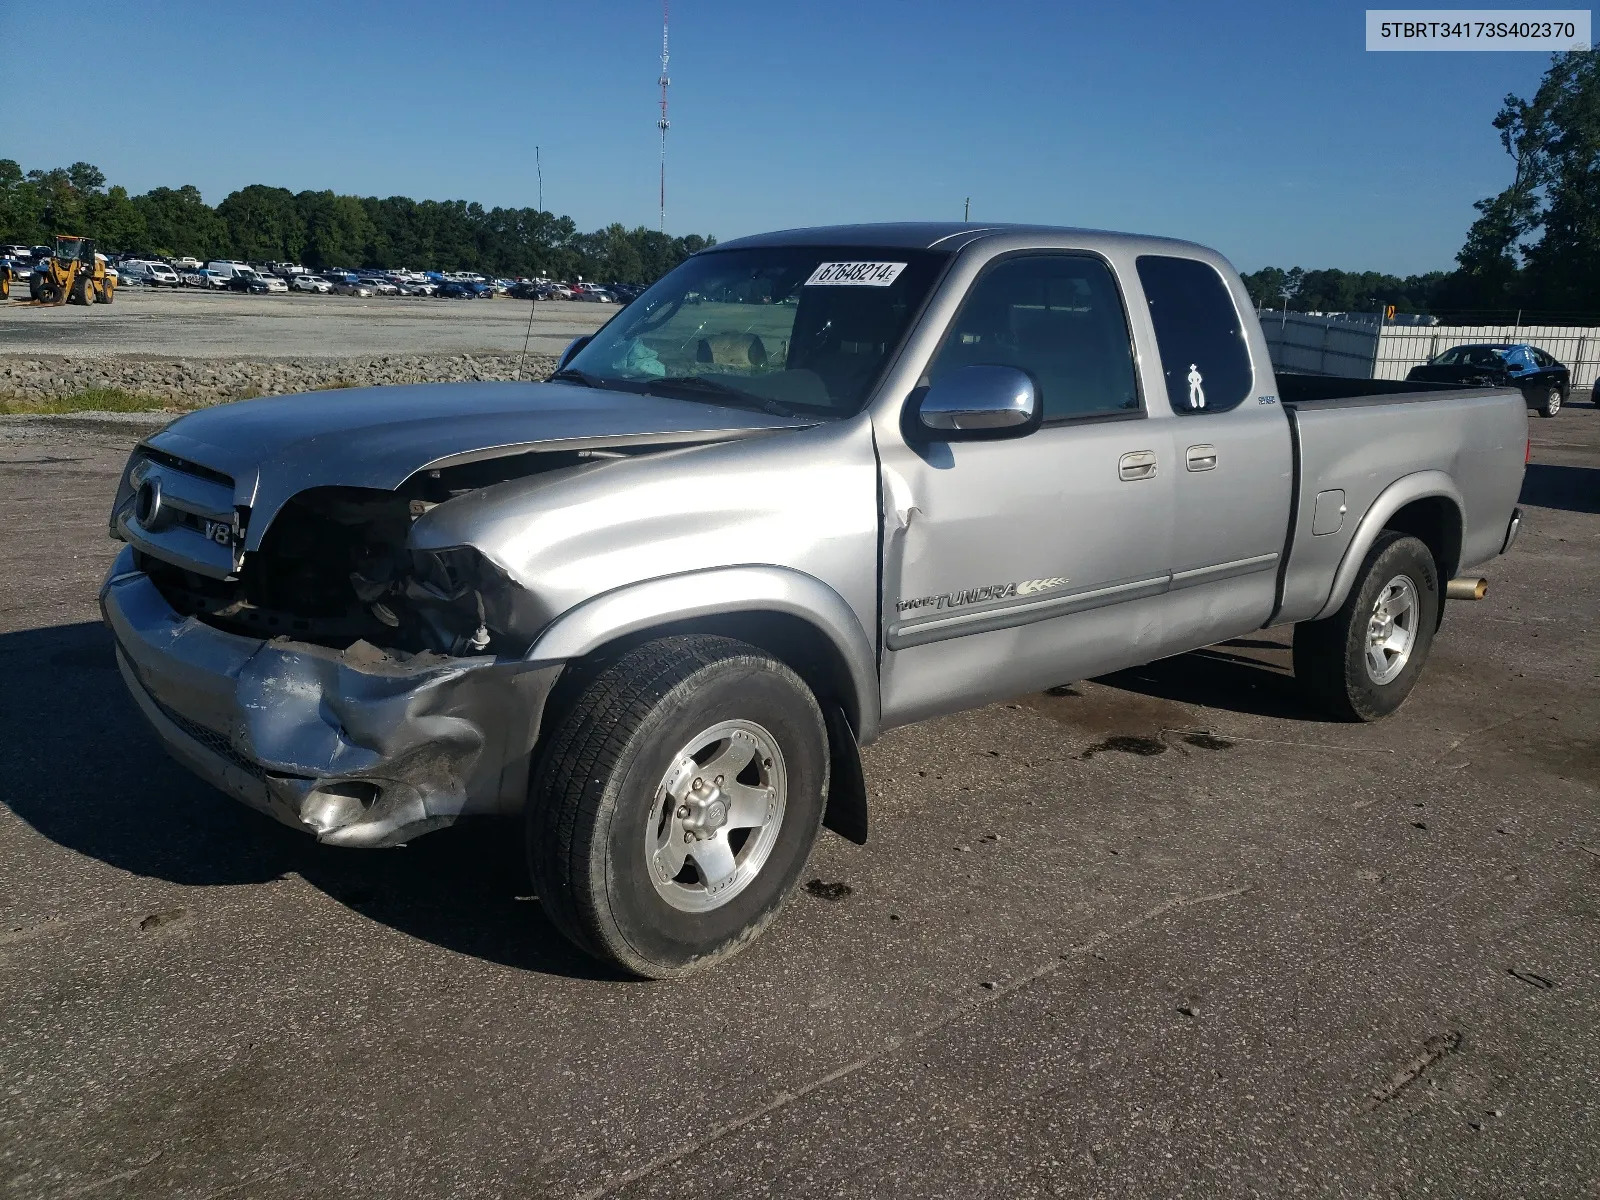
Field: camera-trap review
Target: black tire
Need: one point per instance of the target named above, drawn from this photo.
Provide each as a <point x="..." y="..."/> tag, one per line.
<point x="1331" y="656"/>
<point x="82" y="291"/>
<point x="1551" y="404"/>
<point x="110" y="293"/>
<point x="5" y="285"/>
<point x="596" y="792"/>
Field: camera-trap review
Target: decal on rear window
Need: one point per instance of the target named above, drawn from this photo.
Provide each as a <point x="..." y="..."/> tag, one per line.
<point x="856" y="274"/>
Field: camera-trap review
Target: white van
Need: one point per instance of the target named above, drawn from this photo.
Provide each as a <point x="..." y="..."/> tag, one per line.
<point x="154" y="274"/>
<point x="227" y="268"/>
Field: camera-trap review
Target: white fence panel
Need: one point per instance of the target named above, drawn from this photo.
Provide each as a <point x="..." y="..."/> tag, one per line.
<point x="1321" y="345"/>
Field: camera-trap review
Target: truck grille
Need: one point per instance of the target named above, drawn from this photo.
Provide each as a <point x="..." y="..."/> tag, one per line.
<point x="181" y="513"/>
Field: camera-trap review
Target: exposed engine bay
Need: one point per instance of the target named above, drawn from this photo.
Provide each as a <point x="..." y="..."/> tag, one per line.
<point x="334" y="569"/>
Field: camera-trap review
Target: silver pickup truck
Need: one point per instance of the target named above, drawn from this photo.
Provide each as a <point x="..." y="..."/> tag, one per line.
<point x="809" y="487"/>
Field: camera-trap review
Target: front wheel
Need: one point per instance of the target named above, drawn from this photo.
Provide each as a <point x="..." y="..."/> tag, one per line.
<point x="1552" y="403"/>
<point x="1361" y="663"/>
<point x="674" y="808"/>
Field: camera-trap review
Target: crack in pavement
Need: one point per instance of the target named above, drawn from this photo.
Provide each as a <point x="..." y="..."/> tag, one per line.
<point x="971" y="1004"/>
<point x="1433" y="1050"/>
<point x="1456" y="745"/>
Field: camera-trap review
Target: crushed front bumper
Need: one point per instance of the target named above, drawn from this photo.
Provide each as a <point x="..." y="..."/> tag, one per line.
<point x="359" y="750"/>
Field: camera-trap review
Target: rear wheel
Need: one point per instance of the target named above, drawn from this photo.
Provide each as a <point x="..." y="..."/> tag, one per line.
<point x="674" y="808"/>
<point x="1361" y="663"/>
<point x="109" y="292"/>
<point x="82" y="290"/>
<point x="1552" y="403"/>
<point x="5" y="285"/>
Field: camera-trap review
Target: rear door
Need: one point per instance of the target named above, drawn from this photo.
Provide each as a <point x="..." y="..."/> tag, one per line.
<point x="1232" y="471"/>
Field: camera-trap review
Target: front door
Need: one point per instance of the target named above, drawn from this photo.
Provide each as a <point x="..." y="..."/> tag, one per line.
<point x="1011" y="565"/>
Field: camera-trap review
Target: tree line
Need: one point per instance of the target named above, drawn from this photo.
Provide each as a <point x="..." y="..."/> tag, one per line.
<point x="1535" y="247"/>
<point x="322" y="229"/>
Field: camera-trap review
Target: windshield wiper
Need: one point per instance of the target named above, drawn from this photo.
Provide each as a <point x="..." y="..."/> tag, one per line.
<point x="573" y="375"/>
<point x="715" y="387"/>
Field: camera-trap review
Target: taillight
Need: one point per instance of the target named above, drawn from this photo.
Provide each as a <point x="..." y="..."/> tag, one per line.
<point x="1527" y="453"/>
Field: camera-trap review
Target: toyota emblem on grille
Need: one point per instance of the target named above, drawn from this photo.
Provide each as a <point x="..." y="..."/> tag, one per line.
<point x="147" y="505"/>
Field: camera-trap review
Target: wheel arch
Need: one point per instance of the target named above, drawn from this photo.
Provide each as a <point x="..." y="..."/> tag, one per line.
<point x="793" y="616"/>
<point x="1426" y="505"/>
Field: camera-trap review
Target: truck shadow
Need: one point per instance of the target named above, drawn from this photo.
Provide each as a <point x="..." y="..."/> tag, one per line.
<point x="1574" y="489"/>
<point x="1217" y="677"/>
<point x="82" y="769"/>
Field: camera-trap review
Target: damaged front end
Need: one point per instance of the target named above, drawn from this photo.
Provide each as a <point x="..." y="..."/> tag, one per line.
<point x="297" y="639"/>
<point x="336" y="678"/>
<point x="361" y="746"/>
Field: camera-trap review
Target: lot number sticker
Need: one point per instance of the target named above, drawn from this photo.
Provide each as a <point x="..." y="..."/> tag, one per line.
<point x="856" y="274"/>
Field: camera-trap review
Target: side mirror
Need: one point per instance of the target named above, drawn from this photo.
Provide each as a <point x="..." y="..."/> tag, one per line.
<point x="981" y="402"/>
<point x="571" y="352"/>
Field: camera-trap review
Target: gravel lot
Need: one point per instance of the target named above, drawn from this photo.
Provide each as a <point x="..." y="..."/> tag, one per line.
<point x="191" y="348"/>
<point x="191" y="324"/>
<point x="1160" y="934"/>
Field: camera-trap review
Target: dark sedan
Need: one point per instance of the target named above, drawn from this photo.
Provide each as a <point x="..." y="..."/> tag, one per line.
<point x="466" y="289"/>
<point x="1544" y="381"/>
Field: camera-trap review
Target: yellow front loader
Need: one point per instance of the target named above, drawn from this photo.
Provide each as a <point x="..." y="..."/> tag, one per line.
<point x="74" y="272"/>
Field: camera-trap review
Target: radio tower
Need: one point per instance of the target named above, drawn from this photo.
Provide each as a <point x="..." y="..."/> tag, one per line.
<point x="664" y="123"/>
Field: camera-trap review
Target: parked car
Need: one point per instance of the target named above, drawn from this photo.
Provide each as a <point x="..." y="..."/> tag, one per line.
<point x="594" y="295"/>
<point x="464" y="289"/>
<point x="418" y="287"/>
<point x="185" y="263"/>
<point x="526" y="290"/>
<point x="380" y="286"/>
<point x="1544" y="382"/>
<point x="134" y="270"/>
<point x="311" y="283"/>
<point x="203" y="278"/>
<point x="989" y="462"/>
<point x="349" y="285"/>
<point x="263" y="283"/>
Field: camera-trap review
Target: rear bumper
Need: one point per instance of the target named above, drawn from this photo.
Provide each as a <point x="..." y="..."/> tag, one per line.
<point x="360" y="751"/>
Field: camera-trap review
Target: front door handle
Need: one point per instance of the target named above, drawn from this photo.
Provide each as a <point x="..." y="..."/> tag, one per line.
<point x="1139" y="464"/>
<point x="1201" y="458"/>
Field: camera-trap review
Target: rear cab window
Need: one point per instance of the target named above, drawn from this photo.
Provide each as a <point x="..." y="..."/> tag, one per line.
<point x="1205" y="360"/>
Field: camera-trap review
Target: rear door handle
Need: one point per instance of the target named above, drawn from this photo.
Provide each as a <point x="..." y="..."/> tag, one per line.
<point x="1140" y="464"/>
<point x="1201" y="458"/>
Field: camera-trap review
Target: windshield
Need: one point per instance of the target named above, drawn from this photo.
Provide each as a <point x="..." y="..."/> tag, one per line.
<point x="808" y="329"/>
<point x="67" y="248"/>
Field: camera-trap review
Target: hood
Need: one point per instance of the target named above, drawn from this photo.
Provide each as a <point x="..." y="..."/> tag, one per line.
<point x="379" y="437"/>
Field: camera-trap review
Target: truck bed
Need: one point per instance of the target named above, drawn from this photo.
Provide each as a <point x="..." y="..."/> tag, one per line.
<point x="1361" y="444"/>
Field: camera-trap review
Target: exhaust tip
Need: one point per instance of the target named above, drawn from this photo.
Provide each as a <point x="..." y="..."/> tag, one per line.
<point x="1466" y="589"/>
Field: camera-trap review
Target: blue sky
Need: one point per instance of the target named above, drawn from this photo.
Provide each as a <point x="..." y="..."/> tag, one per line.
<point x="1265" y="130"/>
